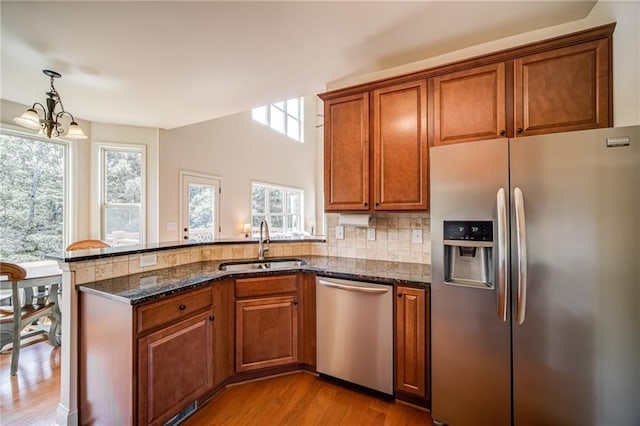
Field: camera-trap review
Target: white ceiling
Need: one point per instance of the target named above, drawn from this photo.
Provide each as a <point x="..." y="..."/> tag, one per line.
<point x="169" y="64"/>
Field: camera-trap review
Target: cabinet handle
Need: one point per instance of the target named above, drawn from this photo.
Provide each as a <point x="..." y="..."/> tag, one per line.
<point x="503" y="132"/>
<point x="211" y="318"/>
<point x="182" y="307"/>
<point x="519" y="130"/>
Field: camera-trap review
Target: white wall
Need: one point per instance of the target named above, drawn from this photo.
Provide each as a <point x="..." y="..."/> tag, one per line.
<point x="626" y="55"/>
<point x="239" y="150"/>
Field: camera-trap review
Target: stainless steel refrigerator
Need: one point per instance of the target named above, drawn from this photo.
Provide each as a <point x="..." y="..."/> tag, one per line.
<point x="536" y="280"/>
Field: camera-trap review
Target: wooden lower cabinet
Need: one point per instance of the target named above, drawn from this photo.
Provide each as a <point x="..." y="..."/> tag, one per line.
<point x="412" y="339"/>
<point x="145" y="364"/>
<point x="266" y="322"/>
<point x="175" y="367"/>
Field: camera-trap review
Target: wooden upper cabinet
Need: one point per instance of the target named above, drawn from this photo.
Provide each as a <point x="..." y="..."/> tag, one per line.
<point x="400" y="148"/>
<point x="563" y="90"/>
<point x="346" y="153"/>
<point x="469" y="105"/>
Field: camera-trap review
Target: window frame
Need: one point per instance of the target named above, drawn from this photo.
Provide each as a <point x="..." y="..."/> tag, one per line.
<point x="102" y="148"/>
<point x="68" y="216"/>
<point x="267" y="214"/>
<point x="287" y="115"/>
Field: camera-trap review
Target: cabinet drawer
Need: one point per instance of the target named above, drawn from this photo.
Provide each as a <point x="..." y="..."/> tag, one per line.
<point x="177" y="307"/>
<point x="251" y="287"/>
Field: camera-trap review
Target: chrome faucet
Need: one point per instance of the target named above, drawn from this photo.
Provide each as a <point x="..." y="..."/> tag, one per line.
<point x="263" y="242"/>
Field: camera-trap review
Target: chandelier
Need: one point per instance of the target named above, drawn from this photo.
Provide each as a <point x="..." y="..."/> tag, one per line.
<point x="51" y="124"/>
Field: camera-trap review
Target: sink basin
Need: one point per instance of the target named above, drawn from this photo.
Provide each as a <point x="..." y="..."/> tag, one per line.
<point x="267" y="264"/>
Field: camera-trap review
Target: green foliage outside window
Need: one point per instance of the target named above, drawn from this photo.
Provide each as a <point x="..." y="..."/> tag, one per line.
<point x="31" y="198"/>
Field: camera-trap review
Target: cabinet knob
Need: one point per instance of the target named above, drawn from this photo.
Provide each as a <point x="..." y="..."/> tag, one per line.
<point x="399" y="294"/>
<point x="295" y="302"/>
<point x="366" y="204"/>
<point x="211" y="318"/>
<point x="182" y="307"/>
<point x="377" y="204"/>
<point x="185" y="237"/>
<point x="519" y="130"/>
<point x="503" y="132"/>
<point x="186" y="229"/>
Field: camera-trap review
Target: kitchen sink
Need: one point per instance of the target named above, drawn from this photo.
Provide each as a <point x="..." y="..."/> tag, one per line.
<point x="267" y="264"/>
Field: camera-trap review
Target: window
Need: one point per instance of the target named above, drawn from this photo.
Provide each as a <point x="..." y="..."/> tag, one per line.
<point x="32" y="197"/>
<point x="122" y="194"/>
<point x="284" y="117"/>
<point x="279" y="205"/>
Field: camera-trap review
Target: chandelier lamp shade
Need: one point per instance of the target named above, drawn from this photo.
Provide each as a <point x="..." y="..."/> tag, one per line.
<point x="52" y="123"/>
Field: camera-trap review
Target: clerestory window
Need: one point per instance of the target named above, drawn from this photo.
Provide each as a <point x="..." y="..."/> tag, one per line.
<point x="285" y="117"/>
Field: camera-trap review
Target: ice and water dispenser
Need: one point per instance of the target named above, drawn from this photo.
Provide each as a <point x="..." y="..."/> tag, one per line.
<point x="468" y="253"/>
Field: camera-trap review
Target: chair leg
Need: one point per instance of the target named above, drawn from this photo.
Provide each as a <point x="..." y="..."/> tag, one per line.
<point x="15" y="350"/>
<point x="54" y="330"/>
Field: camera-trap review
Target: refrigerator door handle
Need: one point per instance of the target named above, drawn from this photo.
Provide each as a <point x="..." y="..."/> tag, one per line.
<point x="502" y="255"/>
<point x="521" y="247"/>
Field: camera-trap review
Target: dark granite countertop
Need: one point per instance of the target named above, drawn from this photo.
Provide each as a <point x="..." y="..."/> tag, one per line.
<point x="143" y="287"/>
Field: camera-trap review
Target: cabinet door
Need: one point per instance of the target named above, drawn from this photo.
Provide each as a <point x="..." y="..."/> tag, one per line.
<point x="411" y="341"/>
<point x="469" y="105"/>
<point x="400" y="175"/>
<point x="346" y="153"/>
<point x="266" y="332"/>
<point x="175" y="367"/>
<point x="563" y="90"/>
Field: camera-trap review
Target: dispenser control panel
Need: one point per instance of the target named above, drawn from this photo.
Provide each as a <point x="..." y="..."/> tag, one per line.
<point x="471" y="230"/>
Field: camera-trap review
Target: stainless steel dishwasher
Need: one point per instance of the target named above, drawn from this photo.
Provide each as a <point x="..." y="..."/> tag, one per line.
<point x="355" y="332"/>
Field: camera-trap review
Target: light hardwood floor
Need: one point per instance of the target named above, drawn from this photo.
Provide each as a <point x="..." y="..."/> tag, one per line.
<point x="31" y="398"/>
<point x="302" y="399"/>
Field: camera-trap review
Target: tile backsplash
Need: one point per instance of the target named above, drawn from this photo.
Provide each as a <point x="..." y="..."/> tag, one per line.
<point x="392" y="242"/>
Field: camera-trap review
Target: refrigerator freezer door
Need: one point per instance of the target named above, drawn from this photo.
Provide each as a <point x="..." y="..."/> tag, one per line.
<point x="577" y="353"/>
<point x="470" y="340"/>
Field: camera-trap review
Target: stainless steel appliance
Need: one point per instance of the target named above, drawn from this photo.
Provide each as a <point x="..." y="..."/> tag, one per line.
<point x="550" y="333"/>
<point x="354" y="332"/>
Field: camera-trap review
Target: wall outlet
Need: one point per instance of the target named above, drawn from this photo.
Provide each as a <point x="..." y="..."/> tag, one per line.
<point x="416" y="236"/>
<point x="371" y="234"/>
<point x="148" y="260"/>
<point x="339" y="232"/>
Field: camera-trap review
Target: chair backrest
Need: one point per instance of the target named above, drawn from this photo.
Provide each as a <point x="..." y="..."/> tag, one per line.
<point x="12" y="271"/>
<point x="87" y="244"/>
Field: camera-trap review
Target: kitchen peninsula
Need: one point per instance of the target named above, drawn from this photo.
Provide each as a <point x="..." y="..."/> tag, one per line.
<point x="154" y="342"/>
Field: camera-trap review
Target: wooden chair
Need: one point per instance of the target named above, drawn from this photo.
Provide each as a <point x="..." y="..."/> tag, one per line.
<point x="87" y="244"/>
<point x="27" y="311"/>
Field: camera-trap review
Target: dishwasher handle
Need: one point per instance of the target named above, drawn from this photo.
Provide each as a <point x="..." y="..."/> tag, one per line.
<point x="358" y="289"/>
